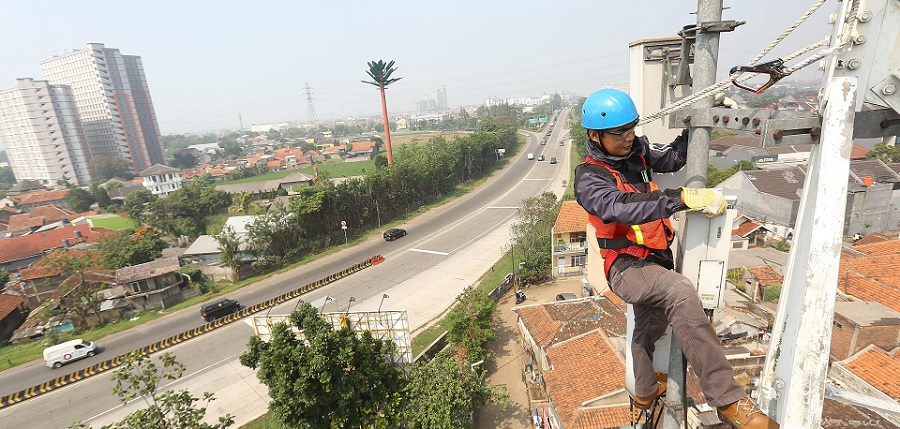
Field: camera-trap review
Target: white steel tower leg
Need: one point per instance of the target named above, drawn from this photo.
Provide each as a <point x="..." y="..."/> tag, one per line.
<point x="793" y="380"/>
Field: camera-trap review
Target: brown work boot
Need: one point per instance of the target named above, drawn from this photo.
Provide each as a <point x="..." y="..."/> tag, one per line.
<point x="744" y="414"/>
<point x="643" y="402"/>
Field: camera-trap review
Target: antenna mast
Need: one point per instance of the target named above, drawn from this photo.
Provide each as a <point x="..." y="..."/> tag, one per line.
<point x="311" y="109"/>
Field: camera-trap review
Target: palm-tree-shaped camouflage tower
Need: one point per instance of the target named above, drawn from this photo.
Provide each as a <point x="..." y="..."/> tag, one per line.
<point x="381" y="77"/>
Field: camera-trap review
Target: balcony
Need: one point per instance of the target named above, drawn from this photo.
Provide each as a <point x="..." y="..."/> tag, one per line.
<point x="571" y="249"/>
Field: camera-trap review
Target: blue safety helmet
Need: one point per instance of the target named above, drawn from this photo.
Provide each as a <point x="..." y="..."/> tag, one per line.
<point x="607" y="108"/>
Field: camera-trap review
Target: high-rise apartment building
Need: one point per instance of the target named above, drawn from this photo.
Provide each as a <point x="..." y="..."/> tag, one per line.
<point x="41" y="130"/>
<point x="113" y="99"/>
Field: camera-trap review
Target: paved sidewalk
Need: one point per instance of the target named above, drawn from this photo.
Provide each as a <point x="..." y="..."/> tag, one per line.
<point x="506" y="359"/>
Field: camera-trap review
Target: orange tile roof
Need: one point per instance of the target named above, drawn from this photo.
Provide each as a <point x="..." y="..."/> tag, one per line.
<point x="48" y="266"/>
<point x="602" y="417"/>
<point x="362" y="146"/>
<point x="584" y="368"/>
<point x="871" y="239"/>
<point x="41" y="196"/>
<point x="858" y="152"/>
<point x="26" y="220"/>
<point x="766" y="275"/>
<point x="571" y="218"/>
<point x="553" y="322"/>
<point x="16" y="248"/>
<point x="8" y="303"/>
<point x="273" y="164"/>
<point x="867" y="279"/>
<point x="880" y="248"/>
<point x="876" y="367"/>
<point x="746" y="228"/>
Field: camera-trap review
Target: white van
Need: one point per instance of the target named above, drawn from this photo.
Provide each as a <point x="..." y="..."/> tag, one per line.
<point x="61" y="354"/>
<point x="530" y="156"/>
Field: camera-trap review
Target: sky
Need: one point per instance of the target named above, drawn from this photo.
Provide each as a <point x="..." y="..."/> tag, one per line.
<point x="207" y="62"/>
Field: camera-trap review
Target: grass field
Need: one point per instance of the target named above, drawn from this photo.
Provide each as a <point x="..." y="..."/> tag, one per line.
<point x="421" y="137"/>
<point x="340" y="169"/>
<point x="117" y="223"/>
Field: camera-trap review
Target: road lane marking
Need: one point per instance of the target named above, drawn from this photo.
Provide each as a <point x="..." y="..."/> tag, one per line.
<point x="434" y="252"/>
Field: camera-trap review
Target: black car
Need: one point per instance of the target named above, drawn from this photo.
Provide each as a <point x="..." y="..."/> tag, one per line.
<point x="220" y="308"/>
<point x="393" y="234"/>
<point x="553" y="160"/>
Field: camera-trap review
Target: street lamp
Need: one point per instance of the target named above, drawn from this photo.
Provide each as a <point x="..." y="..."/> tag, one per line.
<point x="325" y="301"/>
<point x="383" y="296"/>
<point x="348" y="305"/>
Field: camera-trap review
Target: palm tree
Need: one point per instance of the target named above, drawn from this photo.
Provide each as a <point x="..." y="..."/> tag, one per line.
<point x="381" y="77"/>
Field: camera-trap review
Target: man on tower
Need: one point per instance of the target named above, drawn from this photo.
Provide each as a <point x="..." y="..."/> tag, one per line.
<point x="631" y="217"/>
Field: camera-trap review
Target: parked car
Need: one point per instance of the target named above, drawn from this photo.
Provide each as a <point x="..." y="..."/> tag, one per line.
<point x="393" y="234"/>
<point x="566" y="296"/>
<point x="61" y="354"/>
<point x="553" y="160"/>
<point x="219" y="308"/>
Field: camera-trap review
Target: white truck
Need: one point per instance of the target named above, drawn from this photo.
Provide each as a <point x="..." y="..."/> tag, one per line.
<point x="61" y="354"/>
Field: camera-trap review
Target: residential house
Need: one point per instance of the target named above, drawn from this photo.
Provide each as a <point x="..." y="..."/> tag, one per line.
<point x="69" y="294"/>
<point x="360" y="151"/>
<point x="570" y="240"/>
<point x="335" y="152"/>
<point x="24" y="186"/>
<point x="12" y="314"/>
<point x="155" y="284"/>
<point x="758" y="279"/>
<point x="6" y="213"/>
<point x="543" y="325"/>
<point x="41" y="197"/>
<point x="37" y="282"/>
<point x="161" y="180"/>
<point x="865" y="278"/>
<point x="38" y="217"/>
<point x="20" y="252"/>
<point x="736" y="326"/>
<point x="858" y="325"/>
<point x="773" y="197"/>
<point x="872" y="372"/>
<point x="746" y="232"/>
<point x="585" y="383"/>
<point x="295" y="179"/>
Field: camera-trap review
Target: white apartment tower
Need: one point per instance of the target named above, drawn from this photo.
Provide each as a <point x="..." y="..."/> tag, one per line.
<point x="113" y="99"/>
<point x="42" y="133"/>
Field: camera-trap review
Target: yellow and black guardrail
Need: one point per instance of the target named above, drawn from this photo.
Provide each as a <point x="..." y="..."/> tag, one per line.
<point x="79" y="375"/>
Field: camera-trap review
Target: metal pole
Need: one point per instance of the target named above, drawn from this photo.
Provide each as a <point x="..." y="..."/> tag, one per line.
<point x="797" y="362"/>
<point x="706" y="54"/>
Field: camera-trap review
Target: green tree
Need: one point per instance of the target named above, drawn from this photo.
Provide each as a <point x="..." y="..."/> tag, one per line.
<point x="184" y="212"/>
<point x="531" y="233"/>
<point x="122" y="249"/>
<point x="100" y="196"/>
<point x="103" y="168"/>
<point x="78" y="297"/>
<point x="229" y="251"/>
<point x="327" y="378"/>
<point x="442" y="393"/>
<point x="887" y="154"/>
<point x="79" y="200"/>
<point x="381" y="72"/>
<point x="470" y="323"/>
<point x="183" y="160"/>
<point x="140" y="378"/>
<point x="136" y="204"/>
<point x="4" y="278"/>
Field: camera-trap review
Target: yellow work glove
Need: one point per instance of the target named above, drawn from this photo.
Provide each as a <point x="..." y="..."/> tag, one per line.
<point x="710" y="202"/>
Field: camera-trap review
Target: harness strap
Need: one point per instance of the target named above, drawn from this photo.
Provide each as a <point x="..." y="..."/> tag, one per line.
<point x="614" y="243"/>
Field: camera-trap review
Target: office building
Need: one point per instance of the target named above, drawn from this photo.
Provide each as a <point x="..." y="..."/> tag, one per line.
<point x="42" y="133"/>
<point x="113" y="99"/>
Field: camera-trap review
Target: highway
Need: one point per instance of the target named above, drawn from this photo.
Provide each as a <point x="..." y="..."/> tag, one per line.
<point x="446" y="249"/>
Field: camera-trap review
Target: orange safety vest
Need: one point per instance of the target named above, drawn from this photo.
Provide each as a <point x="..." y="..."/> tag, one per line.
<point x="634" y="240"/>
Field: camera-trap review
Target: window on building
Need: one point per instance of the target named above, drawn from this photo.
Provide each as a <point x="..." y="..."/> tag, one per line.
<point x="577" y="237"/>
<point x="140" y="286"/>
<point x="577" y="260"/>
<point x="839" y="326"/>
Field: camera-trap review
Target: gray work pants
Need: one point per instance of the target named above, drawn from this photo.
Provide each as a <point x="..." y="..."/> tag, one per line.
<point x="661" y="297"/>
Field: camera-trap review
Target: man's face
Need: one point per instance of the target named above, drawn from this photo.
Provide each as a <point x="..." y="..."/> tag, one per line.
<point x="617" y="141"/>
